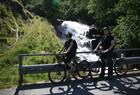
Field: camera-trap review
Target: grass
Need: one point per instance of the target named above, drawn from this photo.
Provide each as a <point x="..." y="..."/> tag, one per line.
<point x="39" y="36"/>
<point x="9" y="75"/>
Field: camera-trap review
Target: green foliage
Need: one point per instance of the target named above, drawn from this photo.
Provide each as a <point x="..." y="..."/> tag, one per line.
<point x="128" y="31"/>
<point x="127" y="28"/>
<point x="6" y="24"/>
<point x="45" y="8"/>
<point x="30" y="2"/>
<point x="9" y="75"/>
<point x="38" y="38"/>
<point x="102" y="11"/>
<point x="64" y="9"/>
<point x="128" y="7"/>
<point x="5" y="14"/>
<point x="35" y="36"/>
<point x="55" y="3"/>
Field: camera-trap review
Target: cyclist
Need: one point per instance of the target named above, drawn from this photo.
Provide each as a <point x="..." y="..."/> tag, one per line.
<point x="107" y="43"/>
<point x="69" y="50"/>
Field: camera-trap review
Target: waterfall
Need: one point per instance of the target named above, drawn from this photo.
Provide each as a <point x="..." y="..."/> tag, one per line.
<point x="79" y="34"/>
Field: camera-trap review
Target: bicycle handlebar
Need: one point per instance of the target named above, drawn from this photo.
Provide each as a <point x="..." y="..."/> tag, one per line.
<point x="96" y="52"/>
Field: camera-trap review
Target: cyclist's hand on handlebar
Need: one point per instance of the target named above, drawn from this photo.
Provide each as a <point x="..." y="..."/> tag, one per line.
<point x="105" y="51"/>
<point x="59" y="53"/>
<point x="64" y="53"/>
<point x="95" y="50"/>
<point x="98" y="52"/>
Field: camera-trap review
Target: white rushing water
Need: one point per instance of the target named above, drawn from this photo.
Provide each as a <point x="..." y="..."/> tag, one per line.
<point x="79" y="34"/>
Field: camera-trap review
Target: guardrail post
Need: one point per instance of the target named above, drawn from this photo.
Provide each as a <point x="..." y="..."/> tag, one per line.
<point x="20" y="75"/>
<point x="20" y="70"/>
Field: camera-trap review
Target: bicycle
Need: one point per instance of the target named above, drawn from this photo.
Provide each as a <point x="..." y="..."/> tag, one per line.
<point x="62" y="68"/>
<point x="120" y="66"/>
<point x="94" y="68"/>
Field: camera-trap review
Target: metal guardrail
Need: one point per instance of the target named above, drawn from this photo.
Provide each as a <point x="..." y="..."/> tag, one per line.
<point x="46" y="54"/>
<point x="30" y="69"/>
<point x="41" y="68"/>
<point x="129" y="49"/>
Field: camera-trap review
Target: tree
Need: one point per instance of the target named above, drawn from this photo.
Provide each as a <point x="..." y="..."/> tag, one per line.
<point x="128" y="22"/>
<point x="102" y="11"/>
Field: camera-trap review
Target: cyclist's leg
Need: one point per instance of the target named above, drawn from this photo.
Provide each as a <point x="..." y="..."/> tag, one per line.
<point x="67" y="62"/>
<point x="110" y="65"/>
<point x="102" y="67"/>
<point x="70" y="61"/>
<point x="73" y="63"/>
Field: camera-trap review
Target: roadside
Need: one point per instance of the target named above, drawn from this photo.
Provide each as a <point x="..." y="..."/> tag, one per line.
<point x="127" y="85"/>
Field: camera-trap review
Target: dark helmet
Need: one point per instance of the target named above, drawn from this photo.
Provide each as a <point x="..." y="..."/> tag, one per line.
<point x="69" y="34"/>
<point x="108" y="30"/>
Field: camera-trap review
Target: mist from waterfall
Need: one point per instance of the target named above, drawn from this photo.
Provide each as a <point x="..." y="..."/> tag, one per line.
<point x="79" y="34"/>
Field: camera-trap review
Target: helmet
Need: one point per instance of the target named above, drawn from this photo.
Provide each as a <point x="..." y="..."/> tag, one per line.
<point x="69" y="34"/>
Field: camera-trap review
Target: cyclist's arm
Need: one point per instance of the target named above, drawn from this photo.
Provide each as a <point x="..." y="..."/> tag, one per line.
<point x="98" y="45"/>
<point x="62" y="50"/>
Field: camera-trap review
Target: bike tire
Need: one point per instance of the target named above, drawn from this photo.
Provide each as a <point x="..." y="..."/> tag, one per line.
<point x="121" y="67"/>
<point x="57" y="76"/>
<point x="95" y="70"/>
<point x="83" y="69"/>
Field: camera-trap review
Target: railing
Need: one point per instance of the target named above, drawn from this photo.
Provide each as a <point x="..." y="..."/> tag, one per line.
<point x="41" y="68"/>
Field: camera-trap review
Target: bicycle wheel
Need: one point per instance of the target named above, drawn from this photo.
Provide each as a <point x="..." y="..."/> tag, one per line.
<point x="121" y="67"/>
<point x="57" y="73"/>
<point x="83" y="69"/>
<point x="95" y="70"/>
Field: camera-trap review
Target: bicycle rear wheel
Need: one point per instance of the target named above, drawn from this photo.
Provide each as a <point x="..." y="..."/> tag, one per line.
<point x="121" y="67"/>
<point x="95" y="70"/>
<point x="83" y="69"/>
<point x="57" y="73"/>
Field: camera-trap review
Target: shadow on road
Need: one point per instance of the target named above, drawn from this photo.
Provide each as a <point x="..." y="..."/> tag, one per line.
<point x="126" y="85"/>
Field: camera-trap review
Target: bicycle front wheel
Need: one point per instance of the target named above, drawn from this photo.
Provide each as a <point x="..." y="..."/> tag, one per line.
<point x="57" y="73"/>
<point x="83" y="69"/>
<point x="95" y="70"/>
<point x="121" y="67"/>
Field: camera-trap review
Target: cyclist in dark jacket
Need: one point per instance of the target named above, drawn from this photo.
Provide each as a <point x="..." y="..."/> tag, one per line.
<point x="69" y="50"/>
<point x="107" y="43"/>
